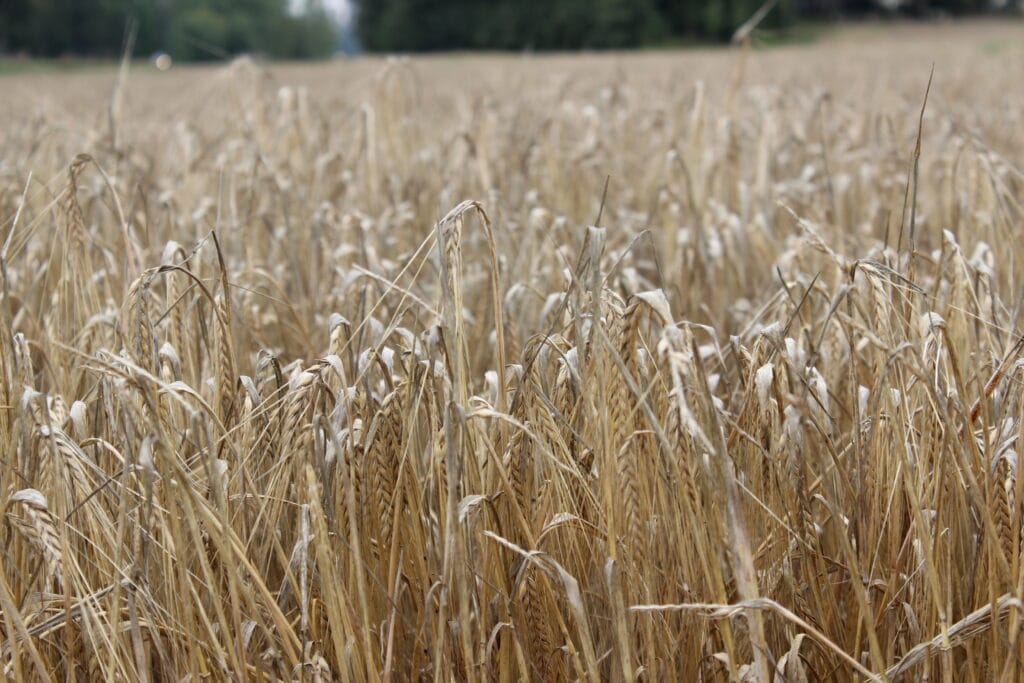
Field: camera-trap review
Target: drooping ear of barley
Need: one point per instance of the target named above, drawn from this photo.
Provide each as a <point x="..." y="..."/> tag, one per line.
<point x="383" y="458"/>
<point x="175" y="301"/>
<point x="518" y="464"/>
<point x="32" y="518"/>
<point x="137" y="334"/>
<point x="537" y="631"/>
<point x="299" y="404"/>
<point x="1003" y="503"/>
<point x="74" y="263"/>
<point x="625" y="422"/>
<point x="224" y="352"/>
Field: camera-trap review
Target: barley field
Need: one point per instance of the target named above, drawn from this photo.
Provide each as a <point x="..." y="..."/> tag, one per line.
<point x="694" y="366"/>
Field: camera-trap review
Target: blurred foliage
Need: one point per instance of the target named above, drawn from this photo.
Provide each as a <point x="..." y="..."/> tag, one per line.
<point x="417" y="25"/>
<point x="187" y="29"/>
<point x="213" y="29"/>
<point x="509" y="24"/>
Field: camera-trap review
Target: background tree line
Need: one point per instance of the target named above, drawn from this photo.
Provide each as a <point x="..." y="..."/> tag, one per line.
<point x="297" y="29"/>
<point x="414" y="25"/>
<point x="186" y="29"/>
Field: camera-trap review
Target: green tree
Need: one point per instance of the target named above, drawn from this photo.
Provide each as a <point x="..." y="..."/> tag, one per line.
<point x="412" y="25"/>
<point x="626" y="23"/>
<point x="188" y="29"/>
<point x="198" y="33"/>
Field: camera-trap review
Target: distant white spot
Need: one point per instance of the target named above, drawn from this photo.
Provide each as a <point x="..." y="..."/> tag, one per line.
<point x="162" y="61"/>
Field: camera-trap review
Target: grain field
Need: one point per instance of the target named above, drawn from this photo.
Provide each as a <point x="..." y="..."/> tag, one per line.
<point x="695" y="366"/>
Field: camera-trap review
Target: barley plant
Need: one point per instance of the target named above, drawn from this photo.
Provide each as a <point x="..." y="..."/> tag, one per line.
<point x="701" y="366"/>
